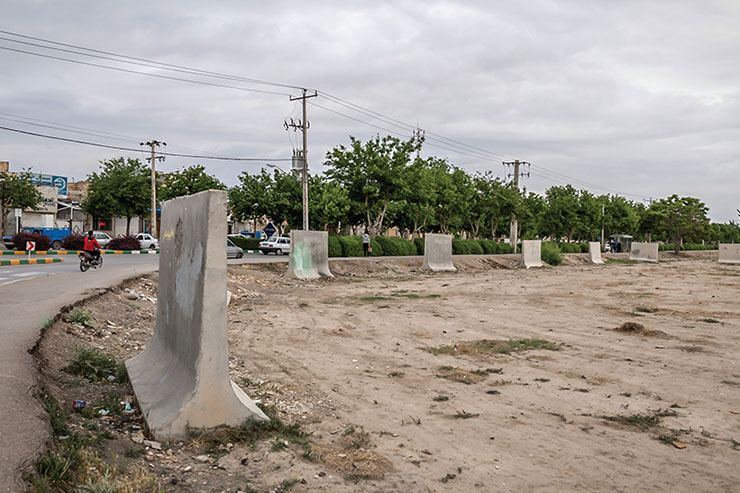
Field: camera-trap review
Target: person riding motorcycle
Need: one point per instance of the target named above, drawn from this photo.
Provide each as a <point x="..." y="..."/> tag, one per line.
<point x="92" y="247"/>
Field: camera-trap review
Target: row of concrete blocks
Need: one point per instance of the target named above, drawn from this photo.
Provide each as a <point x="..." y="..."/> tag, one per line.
<point x="182" y="379"/>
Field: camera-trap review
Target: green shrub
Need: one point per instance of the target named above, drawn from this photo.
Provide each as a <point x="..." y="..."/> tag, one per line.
<point x="351" y="246"/>
<point x="394" y="246"/>
<point x="502" y="247"/>
<point x="375" y="245"/>
<point x="245" y="243"/>
<point x="584" y="247"/>
<point x="488" y="246"/>
<point x="551" y="253"/>
<point x="466" y="247"/>
<point x="335" y="248"/>
<point x="419" y="242"/>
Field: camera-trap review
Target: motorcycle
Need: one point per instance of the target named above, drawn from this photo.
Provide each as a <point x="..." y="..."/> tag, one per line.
<point x="87" y="261"/>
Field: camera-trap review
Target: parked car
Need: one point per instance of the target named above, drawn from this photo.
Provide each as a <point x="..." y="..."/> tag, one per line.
<point x="233" y="251"/>
<point x="56" y="235"/>
<point x="147" y="241"/>
<point x="103" y="238"/>
<point x="277" y="244"/>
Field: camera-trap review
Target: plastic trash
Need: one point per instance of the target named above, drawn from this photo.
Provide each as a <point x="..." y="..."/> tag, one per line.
<point x="79" y="404"/>
<point x="493" y="392"/>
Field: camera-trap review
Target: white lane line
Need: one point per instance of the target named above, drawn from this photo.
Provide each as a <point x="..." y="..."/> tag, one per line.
<point x="26" y="274"/>
<point x="43" y="274"/>
<point x="3" y="278"/>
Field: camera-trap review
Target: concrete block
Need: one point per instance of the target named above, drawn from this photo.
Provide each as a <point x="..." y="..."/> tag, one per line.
<point x="182" y="378"/>
<point x="531" y="253"/>
<point x="594" y="252"/>
<point x="729" y="253"/>
<point x="309" y="255"/>
<point x="645" y="252"/>
<point x="438" y="253"/>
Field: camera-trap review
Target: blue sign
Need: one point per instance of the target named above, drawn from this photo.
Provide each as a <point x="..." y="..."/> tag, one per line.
<point x="58" y="182"/>
<point x="270" y="229"/>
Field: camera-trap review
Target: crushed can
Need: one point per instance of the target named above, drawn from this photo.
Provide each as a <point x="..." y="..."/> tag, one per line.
<point x="79" y="404"/>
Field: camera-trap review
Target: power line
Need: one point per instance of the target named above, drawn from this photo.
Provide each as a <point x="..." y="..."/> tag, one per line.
<point x="163" y="65"/>
<point x="158" y="76"/>
<point x="130" y="149"/>
<point x="432" y="139"/>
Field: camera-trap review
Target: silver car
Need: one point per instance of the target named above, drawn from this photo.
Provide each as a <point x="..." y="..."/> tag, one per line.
<point x="233" y="251"/>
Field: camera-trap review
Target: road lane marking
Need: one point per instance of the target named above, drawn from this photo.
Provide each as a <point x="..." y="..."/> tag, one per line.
<point x="26" y="274"/>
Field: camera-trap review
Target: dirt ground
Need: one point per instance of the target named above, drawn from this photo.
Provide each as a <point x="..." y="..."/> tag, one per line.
<point x="386" y="371"/>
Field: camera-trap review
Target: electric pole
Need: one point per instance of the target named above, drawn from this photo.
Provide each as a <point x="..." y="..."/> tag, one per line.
<point x="153" y="144"/>
<point x="304" y="125"/>
<point x="514" y="227"/>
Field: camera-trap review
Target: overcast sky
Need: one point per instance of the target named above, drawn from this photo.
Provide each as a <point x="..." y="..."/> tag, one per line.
<point x="641" y="98"/>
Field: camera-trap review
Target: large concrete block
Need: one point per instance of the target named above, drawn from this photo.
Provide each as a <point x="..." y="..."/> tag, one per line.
<point x="531" y="253"/>
<point x="438" y="253"/>
<point x="594" y="252"/>
<point x="645" y="252"/>
<point x="182" y="378"/>
<point x="729" y="253"/>
<point x="309" y="255"/>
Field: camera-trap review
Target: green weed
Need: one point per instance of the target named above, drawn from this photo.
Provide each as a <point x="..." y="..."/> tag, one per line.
<point x="96" y="366"/>
<point x="639" y="420"/>
<point x="80" y="317"/>
<point x="485" y="347"/>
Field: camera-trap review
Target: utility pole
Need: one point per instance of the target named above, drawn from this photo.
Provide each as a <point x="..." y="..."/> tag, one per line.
<point x="514" y="226"/>
<point x="304" y="174"/>
<point x="153" y="144"/>
<point x="419" y="134"/>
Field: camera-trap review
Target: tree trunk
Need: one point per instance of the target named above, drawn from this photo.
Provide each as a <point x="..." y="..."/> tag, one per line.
<point x="128" y="225"/>
<point x="677" y="240"/>
<point x="2" y="219"/>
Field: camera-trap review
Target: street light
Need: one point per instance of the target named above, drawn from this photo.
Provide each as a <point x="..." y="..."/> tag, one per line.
<point x="276" y="167"/>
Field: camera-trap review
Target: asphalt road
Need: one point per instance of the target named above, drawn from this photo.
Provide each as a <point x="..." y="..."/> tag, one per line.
<point x="30" y="295"/>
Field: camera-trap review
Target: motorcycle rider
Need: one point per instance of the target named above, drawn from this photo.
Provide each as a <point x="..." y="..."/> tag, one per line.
<point x="92" y="247"/>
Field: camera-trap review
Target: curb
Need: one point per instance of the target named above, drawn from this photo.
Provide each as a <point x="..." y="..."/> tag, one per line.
<point x="25" y="261"/>
<point x="77" y="252"/>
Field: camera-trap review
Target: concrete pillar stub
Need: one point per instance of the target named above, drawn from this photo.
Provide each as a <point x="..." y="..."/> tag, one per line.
<point x="309" y="255"/>
<point x="644" y="252"/>
<point x="594" y="252"/>
<point x="531" y="253"/>
<point x="182" y="378"/>
<point x="438" y="253"/>
<point x="729" y="253"/>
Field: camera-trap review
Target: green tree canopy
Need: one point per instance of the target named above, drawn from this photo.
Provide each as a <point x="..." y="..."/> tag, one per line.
<point x="372" y="173"/>
<point x="16" y="191"/>
<point x="328" y="203"/>
<point x="682" y="218"/>
<point x="248" y="199"/>
<point x="122" y="188"/>
<point x="188" y="181"/>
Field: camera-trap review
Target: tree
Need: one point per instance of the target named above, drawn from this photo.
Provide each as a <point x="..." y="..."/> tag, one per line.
<point x="418" y="197"/>
<point x="285" y="201"/>
<point x="121" y="188"/>
<point x="16" y="191"/>
<point x="681" y="218"/>
<point x="454" y="194"/>
<point x="190" y="180"/>
<point x="248" y="199"/>
<point x="328" y="203"/>
<point x="372" y="173"/>
<point x="561" y="215"/>
<point x="621" y="216"/>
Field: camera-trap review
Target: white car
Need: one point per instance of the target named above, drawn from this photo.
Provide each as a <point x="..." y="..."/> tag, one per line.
<point x="103" y="238"/>
<point x="277" y="244"/>
<point x="147" y="241"/>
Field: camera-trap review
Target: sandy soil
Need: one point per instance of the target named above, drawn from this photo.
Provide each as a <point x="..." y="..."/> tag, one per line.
<point x="349" y="360"/>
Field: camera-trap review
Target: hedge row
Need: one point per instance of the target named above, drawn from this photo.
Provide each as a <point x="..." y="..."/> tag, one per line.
<point x="245" y="243"/>
<point x="351" y="246"/>
<point x="687" y="246"/>
<point x="565" y="247"/>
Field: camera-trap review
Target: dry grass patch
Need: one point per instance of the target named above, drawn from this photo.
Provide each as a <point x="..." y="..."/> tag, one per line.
<point x="464" y="376"/>
<point x="639" y="329"/>
<point x="487" y="347"/>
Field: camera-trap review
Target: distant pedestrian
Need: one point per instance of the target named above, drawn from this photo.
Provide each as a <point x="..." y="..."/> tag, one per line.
<point x="366" y="243"/>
